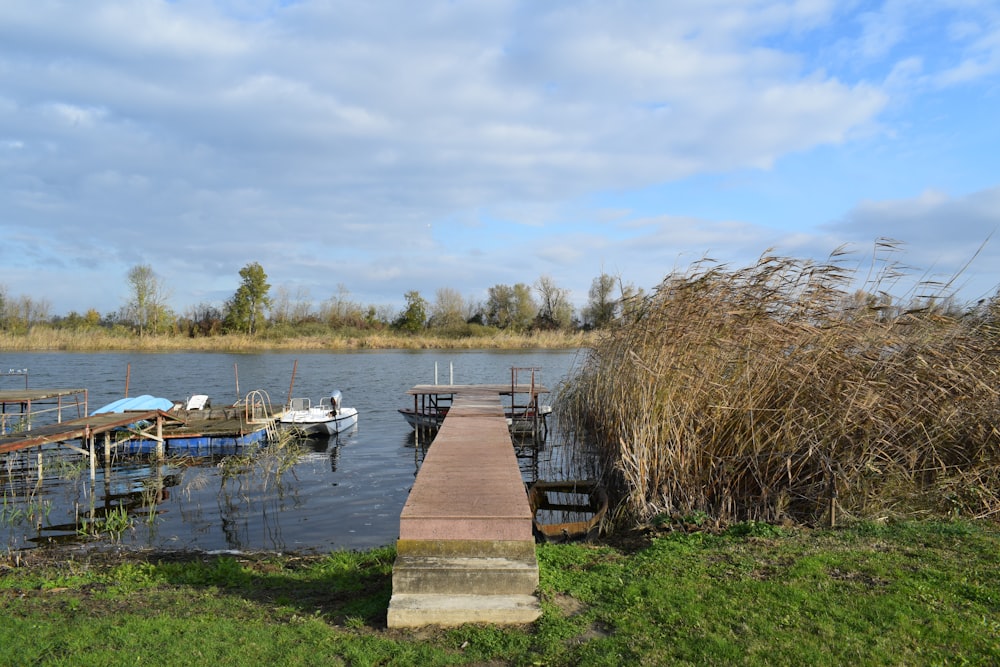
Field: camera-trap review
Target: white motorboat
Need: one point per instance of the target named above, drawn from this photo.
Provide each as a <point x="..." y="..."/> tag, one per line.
<point x="327" y="418"/>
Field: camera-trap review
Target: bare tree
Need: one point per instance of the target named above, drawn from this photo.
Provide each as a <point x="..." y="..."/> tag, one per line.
<point x="448" y="309"/>
<point x="287" y="308"/>
<point x="21" y="313"/>
<point x="340" y="311"/>
<point x="554" y="309"/>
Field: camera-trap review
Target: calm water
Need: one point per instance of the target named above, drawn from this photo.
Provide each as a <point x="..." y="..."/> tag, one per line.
<point x="345" y="493"/>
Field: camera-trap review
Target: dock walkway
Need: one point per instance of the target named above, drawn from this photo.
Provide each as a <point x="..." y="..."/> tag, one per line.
<point x="466" y="552"/>
<point x="83" y="428"/>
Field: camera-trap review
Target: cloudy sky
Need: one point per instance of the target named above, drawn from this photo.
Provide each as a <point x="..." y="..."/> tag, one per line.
<point x="398" y="145"/>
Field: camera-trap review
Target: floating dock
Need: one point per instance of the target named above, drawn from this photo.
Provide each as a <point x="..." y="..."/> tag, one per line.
<point x="138" y="431"/>
<point x="466" y="552"/>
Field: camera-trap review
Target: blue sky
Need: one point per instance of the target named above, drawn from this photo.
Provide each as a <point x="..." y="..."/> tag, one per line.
<point x="381" y="147"/>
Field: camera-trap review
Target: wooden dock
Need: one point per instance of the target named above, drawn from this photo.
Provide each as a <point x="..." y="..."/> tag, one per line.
<point x="524" y="412"/>
<point x="20" y="429"/>
<point x="34" y="418"/>
<point x="83" y="428"/>
<point x="466" y="552"/>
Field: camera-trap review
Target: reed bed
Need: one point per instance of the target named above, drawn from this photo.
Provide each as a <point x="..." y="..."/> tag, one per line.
<point x="48" y="339"/>
<point x="777" y="393"/>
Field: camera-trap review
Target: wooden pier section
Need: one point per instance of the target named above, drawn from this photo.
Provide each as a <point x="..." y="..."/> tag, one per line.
<point x="36" y="418"/>
<point x="466" y="552"/>
<point x="18" y="431"/>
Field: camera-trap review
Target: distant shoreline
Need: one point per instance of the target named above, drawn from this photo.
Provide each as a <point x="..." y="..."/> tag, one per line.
<point x="49" y="340"/>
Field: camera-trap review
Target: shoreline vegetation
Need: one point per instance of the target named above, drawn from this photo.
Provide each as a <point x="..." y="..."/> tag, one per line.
<point x="44" y="339"/>
<point x="802" y="471"/>
<point x="907" y="593"/>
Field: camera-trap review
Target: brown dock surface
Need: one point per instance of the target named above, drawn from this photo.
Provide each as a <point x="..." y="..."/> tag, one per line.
<point x="466" y="551"/>
<point x="76" y="429"/>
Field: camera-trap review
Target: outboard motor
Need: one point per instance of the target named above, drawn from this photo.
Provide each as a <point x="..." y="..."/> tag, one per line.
<point x="335" y="399"/>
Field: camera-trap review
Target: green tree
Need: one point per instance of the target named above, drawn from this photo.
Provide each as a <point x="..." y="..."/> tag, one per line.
<point x="245" y="310"/>
<point x="601" y="304"/>
<point x="413" y="318"/>
<point x="510" y="307"/>
<point x="145" y="310"/>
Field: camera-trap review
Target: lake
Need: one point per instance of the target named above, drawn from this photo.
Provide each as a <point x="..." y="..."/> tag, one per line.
<point x="343" y="493"/>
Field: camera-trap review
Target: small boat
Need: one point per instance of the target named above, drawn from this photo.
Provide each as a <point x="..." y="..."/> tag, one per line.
<point x="525" y="414"/>
<point x="521" y="422"/>
<point x="567" y="510"/>
<point x="327" y="418"/>
<point x="429" y="417"/>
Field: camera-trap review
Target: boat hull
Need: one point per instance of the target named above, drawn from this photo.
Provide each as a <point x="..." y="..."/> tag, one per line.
<point x="422" y="419"/>
<point x="518" y="425"/>
<point x="317" y="423"/>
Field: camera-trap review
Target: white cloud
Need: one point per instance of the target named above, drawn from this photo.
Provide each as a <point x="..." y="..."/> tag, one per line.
<point x="938" y="233"/>
<point x="321" y="138"/>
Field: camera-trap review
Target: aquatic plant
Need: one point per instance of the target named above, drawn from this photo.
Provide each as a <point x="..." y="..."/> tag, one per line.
<point x="791" y="390"/>
<point x="113" y="524"/>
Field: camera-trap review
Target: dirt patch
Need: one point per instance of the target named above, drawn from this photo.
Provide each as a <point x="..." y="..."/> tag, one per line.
<point x="567" y="604"/>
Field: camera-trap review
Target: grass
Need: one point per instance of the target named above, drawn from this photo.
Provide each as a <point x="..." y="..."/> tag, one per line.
<point x="913" y="593"/>
<point x="790" y="390"/>
<point x="42" y="338"/>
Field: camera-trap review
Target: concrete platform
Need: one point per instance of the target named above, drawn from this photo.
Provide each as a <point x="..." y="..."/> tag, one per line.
<point x="414" y="611"/>
<point x="466" y="552"/>
<point x="464" y="576"/>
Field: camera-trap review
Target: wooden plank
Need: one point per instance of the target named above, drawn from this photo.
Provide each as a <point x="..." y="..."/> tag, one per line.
<point x="469" y="486"/>
<point x="26" y="395"/>
<point x="76" y="429"/>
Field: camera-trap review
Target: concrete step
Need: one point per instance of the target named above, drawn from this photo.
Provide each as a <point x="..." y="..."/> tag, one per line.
<point x="411" y="611"/>
<point x="516" y="549"/>
<point x="464" y="576"/>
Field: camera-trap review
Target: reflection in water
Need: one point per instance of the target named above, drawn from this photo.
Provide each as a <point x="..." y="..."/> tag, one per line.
<point x="343" y="493"/>
<point x="248" y="501"/>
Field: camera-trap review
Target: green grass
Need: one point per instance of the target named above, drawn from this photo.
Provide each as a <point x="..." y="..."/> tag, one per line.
<point x="901" y="594"/>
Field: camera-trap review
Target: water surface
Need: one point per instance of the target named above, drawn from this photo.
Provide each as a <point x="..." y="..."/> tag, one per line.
<point x="343" y="493"/>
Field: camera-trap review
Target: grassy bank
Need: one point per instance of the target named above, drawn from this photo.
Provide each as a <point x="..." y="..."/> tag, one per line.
<point x="908" y="593"/>
<point x="45" y="339"/>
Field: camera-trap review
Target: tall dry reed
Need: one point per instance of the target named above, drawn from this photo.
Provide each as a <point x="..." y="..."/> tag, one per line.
<point x="44" y="338"/>
<point x="779" y="391"/>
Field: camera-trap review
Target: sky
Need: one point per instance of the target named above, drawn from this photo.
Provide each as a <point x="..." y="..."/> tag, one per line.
<point x="374" y="148"/>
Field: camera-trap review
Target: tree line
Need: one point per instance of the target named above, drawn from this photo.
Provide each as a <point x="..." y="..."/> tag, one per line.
<point x="255" y="308"/>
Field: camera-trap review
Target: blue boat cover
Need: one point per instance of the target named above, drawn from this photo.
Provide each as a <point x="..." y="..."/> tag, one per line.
<point x="144" y="402"/>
